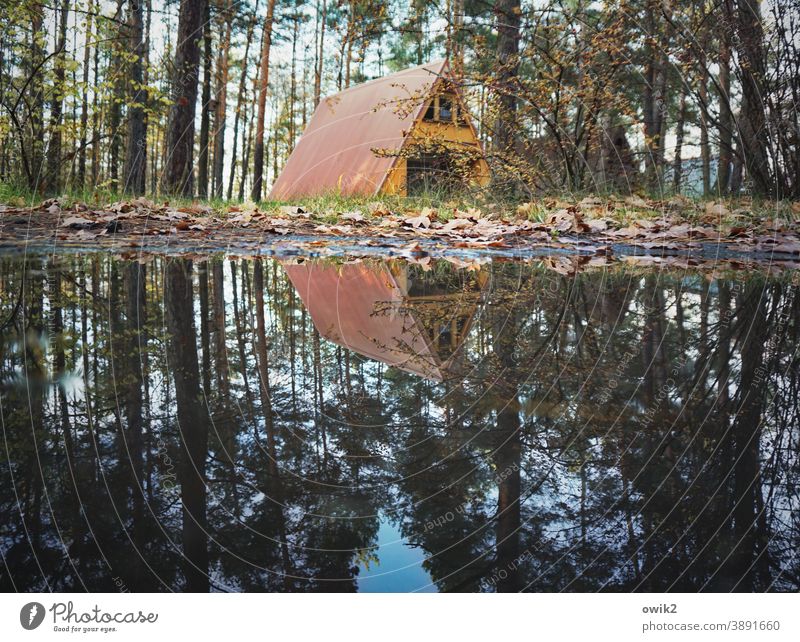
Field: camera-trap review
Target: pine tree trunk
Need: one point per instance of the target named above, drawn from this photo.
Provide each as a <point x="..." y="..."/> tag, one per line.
<point x="320" y="52"/>
<point x="115" y="109"/>
<point x="222" y="103"/>
<point x="507" y="20"/>
<point x="136" y="146"/>
<point x="754" y="126"/>
<point x="180" y="134"/>
<point x="679" y="135"/>
<point x="258" y="160"/>
<point x="725" y="114"/>
<point x="240" y="98"/>
<point x="54" y="149"/>
<point x="87" y="50"/>
<point x="705" y="152"/>
<point x="205" y="114"/>
<point x="37" y="91"/>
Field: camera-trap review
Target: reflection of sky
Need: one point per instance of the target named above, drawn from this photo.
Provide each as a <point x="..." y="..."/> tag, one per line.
<point x="399" y="568"/>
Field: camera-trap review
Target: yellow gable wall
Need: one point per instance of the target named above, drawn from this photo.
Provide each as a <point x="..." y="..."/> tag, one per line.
<point x="446" y="134"/>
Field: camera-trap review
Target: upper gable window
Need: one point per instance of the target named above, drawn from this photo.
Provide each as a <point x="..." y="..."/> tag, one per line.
<point x="446" y="108"/>
<point x="442" y="108"/>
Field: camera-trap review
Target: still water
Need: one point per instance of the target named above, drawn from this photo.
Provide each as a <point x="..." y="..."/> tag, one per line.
<point x="225" y="424"/>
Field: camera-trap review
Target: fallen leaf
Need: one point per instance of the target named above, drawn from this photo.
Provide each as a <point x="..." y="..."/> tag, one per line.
<point x="291" y="209"/>
<point x="76" y="221"/>
<point x="354" y="216"/>
<point x="457" y="224"/>
<point x="378" y="209"/>
<point x="716" y="209"/>
<point x="418" y="221"/>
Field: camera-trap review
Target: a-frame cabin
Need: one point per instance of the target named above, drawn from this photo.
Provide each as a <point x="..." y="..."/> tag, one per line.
<point x="405" y="133"/>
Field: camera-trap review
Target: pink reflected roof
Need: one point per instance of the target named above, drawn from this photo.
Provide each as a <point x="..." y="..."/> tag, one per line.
<point x="358" y="306"/>
<point x="335" y="153"/>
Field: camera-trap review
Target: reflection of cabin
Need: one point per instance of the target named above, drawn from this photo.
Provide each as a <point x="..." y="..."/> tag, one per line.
<point x="390" y="312"/>
<point x="401" y="134"/>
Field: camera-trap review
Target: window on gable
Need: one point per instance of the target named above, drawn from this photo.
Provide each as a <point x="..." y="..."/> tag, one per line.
<point x="446" y="109"/>
<point x="442" y="108"/>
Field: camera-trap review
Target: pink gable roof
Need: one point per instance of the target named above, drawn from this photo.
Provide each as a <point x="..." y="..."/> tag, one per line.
<point x="334" y="154"/>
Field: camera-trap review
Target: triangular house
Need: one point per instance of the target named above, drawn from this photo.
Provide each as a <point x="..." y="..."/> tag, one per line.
<point x="401" y="134"/>
<point x="383" y="312"/>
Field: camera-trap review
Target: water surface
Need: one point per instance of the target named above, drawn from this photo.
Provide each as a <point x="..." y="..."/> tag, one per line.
<point x="254" y="425"/>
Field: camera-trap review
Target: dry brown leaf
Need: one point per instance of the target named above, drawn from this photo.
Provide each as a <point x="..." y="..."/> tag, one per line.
<point x="716" y="210"/>
<point x="291" y="210"/>
<point x="378" y="209"/>
<point x="597" y="224"/>
<point x="76" y="221"/>
<point x="638" y="201"/>
<point x="421" y="221"/>
<point x="355" y="216"/>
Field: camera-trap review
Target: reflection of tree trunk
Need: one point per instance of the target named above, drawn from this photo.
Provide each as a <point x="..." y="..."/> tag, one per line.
<point x="205" y="334"/>
<point x="220" y="350"/>
<point x="263" y="368"/>
<point x="60" y="364"/>
<point x="276" y="486"/>
<point x="750" y="553"/>
<point x="134" y="308"/>
<point x="86" y="383"/>
<point x="191" y="421"/>
<point x="507" y="461"/>
<point x="237" y="319"/>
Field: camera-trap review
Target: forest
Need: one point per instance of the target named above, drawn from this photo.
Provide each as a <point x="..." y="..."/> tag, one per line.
<point x="207" y="99"/>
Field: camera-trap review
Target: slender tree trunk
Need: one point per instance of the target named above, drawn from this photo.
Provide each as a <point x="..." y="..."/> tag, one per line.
<point x="507" y="20"/>
<point x="351" y="33"/>
<point x="115" y="109"/>
<point x="37" y="91"/>
<point x="725" y="114"/>
<point x="754" y="123"/>
<point x="205" y="109"/>
<point x="222" y="102"/>
<point x="705" y="151"/>
<point x="54" y="150"/>
<point x="96" y="118"/>
<point x="258" y="160"/>
<point x="322" y="16"/>
<point x="293" y="83"/>
<point x="180" y="134"/>
<point x="87" y="50"/>
<point x="136" y="145"/>
<point x="679" y="135"/>
<point x="240" y="98"/>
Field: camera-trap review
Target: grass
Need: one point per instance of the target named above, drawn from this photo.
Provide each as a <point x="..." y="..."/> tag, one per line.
<point x="327" y="208"/>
